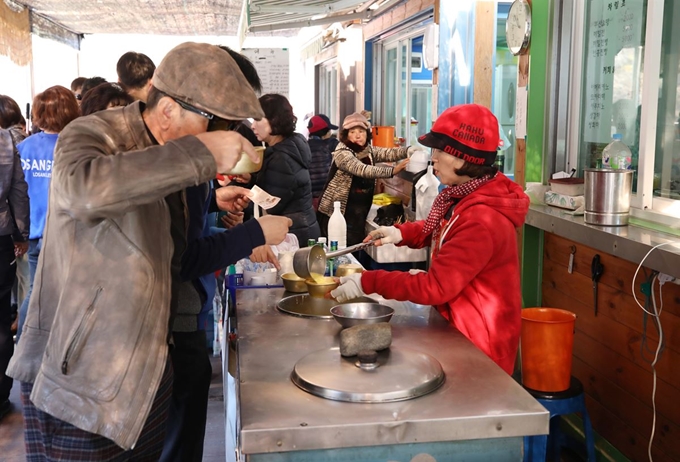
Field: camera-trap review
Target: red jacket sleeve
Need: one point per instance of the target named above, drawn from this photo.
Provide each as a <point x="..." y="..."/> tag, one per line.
<point x="461" y="258"/>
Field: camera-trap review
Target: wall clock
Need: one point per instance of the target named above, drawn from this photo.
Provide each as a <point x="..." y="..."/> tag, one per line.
<point x="518" y="27"/>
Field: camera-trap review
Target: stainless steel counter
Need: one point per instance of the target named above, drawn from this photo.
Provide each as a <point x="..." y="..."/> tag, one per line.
<point x="477" y="401"/>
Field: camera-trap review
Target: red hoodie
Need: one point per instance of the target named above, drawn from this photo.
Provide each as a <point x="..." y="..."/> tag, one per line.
<point x="473" y="281"/>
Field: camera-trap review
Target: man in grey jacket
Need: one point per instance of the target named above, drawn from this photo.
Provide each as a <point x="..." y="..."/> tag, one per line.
<point x="93" y="356"/>
<point x="14" y="226"/>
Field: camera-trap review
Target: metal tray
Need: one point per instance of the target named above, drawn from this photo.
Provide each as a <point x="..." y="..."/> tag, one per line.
<point x="306" y="306"/>
<point x="398" y="374"/>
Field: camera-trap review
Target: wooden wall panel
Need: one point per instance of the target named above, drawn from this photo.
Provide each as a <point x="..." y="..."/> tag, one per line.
<point x="616" y="374"/>
<point x="633" y="411"/>
<point x="620" y="435"/>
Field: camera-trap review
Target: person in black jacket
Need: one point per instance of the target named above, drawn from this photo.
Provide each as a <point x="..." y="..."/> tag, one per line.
<point x="14" y="228"/>
<point x="285" y="168"/>
<point x="322" y="145"/>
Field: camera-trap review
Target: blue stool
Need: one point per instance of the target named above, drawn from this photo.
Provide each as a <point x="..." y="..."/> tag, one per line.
<point x="558" y="404"/>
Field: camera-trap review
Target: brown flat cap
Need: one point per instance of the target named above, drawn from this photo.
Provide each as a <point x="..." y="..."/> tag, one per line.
<point x="206" y="77"/>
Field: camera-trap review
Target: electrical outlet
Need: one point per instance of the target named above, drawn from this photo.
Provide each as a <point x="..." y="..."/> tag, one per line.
<point x="663" y="278"/>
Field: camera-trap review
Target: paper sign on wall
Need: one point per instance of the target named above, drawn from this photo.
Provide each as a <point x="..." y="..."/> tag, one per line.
<point x="521" y="113"/>
<point x="273" y="67"/>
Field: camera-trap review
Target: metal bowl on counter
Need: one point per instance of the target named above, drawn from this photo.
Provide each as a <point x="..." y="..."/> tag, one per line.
<point x="353" y="314"/>
<point x="348" y="268"/>
<point x="321" y="286"/>
<point x="294" y="283"/>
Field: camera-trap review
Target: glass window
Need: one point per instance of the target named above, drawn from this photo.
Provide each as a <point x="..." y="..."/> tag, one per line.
<point x="504" y="91"/>
<point x="667" y="157"/>
<point x="407" y="89"/>
<point x="390" y="107"/>
<point x="328" y="89"/>
<point x="612" y="78"/>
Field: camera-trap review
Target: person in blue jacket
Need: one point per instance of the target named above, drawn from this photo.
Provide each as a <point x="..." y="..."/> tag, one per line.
<point x="53" y="109"/>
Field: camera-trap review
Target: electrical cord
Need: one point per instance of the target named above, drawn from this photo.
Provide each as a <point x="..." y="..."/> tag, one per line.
<point x="656" y="316"/>
<point x="645" y="350"/>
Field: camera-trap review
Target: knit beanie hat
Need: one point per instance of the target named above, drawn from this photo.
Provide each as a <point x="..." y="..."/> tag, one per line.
<point x="466" y="131"/>
<point x="356" y="120"/>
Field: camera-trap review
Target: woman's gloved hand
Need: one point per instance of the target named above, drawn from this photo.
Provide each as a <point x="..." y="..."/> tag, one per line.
<point x="349" y="288"/>
<point x="385" y="235"/>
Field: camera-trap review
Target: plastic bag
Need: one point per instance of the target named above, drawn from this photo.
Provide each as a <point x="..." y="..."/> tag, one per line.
<point x="427" y="189"/>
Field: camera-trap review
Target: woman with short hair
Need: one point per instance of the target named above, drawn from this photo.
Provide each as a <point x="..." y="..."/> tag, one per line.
<point x="285" y="167"/>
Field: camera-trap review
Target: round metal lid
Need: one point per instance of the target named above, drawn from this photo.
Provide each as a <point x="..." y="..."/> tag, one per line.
<point x="397" y="374"/>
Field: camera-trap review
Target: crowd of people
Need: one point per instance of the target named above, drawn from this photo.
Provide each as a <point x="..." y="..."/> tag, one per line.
<point x="105" y="209"/>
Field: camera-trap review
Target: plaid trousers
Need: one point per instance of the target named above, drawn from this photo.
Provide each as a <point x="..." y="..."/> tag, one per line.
<point x="50" y="439"/>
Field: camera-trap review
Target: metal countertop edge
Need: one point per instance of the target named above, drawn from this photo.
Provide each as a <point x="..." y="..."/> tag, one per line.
<point x="628" y="242"/>
<point x="400" y="432"/>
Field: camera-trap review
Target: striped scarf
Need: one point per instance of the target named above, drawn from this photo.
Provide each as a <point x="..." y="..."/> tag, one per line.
<point x="448" y="197"/>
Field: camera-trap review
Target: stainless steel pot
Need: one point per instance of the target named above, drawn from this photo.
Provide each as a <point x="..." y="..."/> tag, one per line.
<point x="313" y="259"/>
<point x="607" y="196"/>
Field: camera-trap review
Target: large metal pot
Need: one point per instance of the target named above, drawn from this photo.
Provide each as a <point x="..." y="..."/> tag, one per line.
<point x="312" y="259"/>
<point x="607" y="196"/>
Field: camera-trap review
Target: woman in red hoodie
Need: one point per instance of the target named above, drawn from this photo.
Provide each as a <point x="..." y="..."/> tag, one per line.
<point x="473" y="279"/>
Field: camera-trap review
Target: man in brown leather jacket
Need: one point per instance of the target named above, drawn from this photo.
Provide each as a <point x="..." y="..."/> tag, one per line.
<point x="93" y="356"/>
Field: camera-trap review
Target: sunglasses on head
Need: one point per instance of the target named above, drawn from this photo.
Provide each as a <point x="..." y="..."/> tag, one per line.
<point x="188" y="107"/>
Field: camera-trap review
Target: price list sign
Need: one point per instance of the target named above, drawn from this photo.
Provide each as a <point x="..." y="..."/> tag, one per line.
<point x="611" y="81"/>
<point x="272" y="66"/>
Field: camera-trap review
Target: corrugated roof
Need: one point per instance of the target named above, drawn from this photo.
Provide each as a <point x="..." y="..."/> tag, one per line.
<point x="162" y="17"/>
<point x="191" y="17"/>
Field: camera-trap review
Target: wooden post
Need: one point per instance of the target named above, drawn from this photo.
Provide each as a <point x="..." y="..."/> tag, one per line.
<point x="485" y="47"/>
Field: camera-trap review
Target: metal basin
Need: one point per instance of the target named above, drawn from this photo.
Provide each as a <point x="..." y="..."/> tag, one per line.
<point x="311" y="307"/>
<point x="353" y="314"/>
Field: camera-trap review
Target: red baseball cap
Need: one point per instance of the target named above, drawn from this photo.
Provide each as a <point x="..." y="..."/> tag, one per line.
<point x="466" y="131"/>
<point x="320" y="122"/>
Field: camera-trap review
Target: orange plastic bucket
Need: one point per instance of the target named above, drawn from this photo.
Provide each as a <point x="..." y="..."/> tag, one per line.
<point x="546" y="342"/>
<point x="383" y="136"/>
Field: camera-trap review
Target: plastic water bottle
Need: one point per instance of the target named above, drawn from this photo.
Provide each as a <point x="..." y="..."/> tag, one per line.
<point x="337" y="227"/>
<point x="616" y="154"/>
<point x="331" y="261"/>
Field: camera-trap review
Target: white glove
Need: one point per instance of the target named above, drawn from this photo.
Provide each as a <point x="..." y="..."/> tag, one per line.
<point x="387" y="235"/>
<point x="349" y="288"/>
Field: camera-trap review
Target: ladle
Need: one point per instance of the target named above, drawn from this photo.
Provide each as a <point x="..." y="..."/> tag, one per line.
<point x="312" y="259"/>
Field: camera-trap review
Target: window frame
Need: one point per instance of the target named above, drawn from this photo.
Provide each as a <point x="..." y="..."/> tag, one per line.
<point x="380" y="49"/>
<point x="328" y="90"/>
<point x="643" y="203"/>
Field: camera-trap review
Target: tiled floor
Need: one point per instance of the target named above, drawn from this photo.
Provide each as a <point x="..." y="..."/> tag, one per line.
<point x="12" y="438"/>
